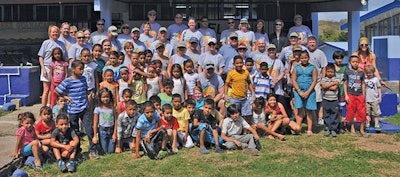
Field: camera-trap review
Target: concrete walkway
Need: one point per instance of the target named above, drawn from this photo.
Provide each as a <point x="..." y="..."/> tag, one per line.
<point x="8" y="128"/>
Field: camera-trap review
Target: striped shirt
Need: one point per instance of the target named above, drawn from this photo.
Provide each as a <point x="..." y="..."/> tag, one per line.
<point x="75" y="89"/>
<point x="262" y="85"/>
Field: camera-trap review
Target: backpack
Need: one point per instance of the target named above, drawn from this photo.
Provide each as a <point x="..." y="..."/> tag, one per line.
<point x="152" y="148"/>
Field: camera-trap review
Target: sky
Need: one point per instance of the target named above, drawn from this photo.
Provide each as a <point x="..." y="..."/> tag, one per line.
<point x="337" y="16"/>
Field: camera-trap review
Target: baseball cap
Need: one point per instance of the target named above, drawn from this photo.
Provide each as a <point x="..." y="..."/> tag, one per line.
<point x="160" y="44"/>
<point x="242" y="46"/>
<point x="193" y="39"/>
<point x="213" y="40"/>
<point x="298" y="16"/>
<point x="297" y="48"/>
<point x="125" y="25"/>
<point x="244" y="20"/>
<point x="271" y="46"/>
<point x="294" y="34"/>
<point x="233" y="34"/>
<point x="135" y="29"/>
<point x="162" y="29"/>
<point x="209" y="64"/>
<point x="113" y="30"/>
<point x="181" y="44"/>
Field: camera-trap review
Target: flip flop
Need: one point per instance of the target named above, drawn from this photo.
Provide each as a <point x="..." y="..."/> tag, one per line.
<point x="38" y="167"/>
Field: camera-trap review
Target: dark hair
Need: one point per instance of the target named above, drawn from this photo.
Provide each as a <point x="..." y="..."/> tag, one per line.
<point x="249" y="60"/>
<point x="155" y="62"/>
<point x="259" y="101"/>
<point x="52" y="53"/>
<point x="77" y="63"/>
<point x="121" y="54"/>
<point x="168" y="82"/>
<point x="155" y="99"/>
<point x="61" y="117"/>
<point x="338" y="54"/>
<point x="330" y="66"/>
<point x="109" y="70"/>
<point x="101" y="20"/>
<point x="263" y="64"/>
<point x="131" y="103"/>
<point x="209" y="101"/>
<point x="312" y="38"/>
<point x="305" y="52"/>
<point x="180" y="69"/>
<point x="354" y="56"/>
<point x="175" y="95"/>
<point x="24" y="115"/>
<point x="98" y="98"/>
<point x="115" y="53"/>
<point x="166" y="107"/>
<point x="148" y="51"/>
<point x="105" y="40"/>
<point x="237" y="57"/>
<point x="271" y="95"/>
<point x="97" y="45"/>
<point x="85" y="50"/>
<point x="190" y="101"/>
<point x="45" y="108"/>
<point x="127" y="90"/>
<point x="187" y="61"/>
<point x="262" y="29"/>
<point x="232" y="109"/>
<point x="148" y="104"/>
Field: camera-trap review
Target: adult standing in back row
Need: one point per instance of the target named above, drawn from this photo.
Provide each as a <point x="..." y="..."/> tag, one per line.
<point x="154" y="26"/>
<point x="278" y="37"/>
<point x="245" y="36"/>
<point x="302" y="31"/>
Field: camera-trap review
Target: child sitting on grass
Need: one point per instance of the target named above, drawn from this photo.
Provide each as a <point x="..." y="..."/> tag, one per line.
<point x="44" y="127"/>
<point x="64" y="142"/>
<point x="232" y="132"/>
<point x="150" y="133"/>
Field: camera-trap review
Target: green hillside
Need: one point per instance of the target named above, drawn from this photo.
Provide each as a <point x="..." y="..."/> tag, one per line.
<point x="330" y="31"/>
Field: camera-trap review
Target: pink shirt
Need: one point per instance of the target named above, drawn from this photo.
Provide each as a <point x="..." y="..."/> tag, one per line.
<point x="27" y="136"/>
<point x="58" y="70"/>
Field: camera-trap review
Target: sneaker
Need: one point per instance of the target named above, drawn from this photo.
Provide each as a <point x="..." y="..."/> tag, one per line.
<point x="71" y="166"/>
<point x="320" y="121"/>
<point x="367" y="125"/>
<point x="327" y="133"/>
<point x="333" y="133"/>
<point x="258" y="145"/>
<point x="93" y="155"/>
<point x="162" y="154"/>
<point x="61" y="165"/>
<point x="377" y="127"/>
<point x="252" y="152"/>
<point x="219" y="150"/>
<point x="204" y="151"/>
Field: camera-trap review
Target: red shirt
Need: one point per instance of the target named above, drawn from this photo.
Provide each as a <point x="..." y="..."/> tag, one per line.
<point x="43" y="128"/>
<point x="172" y="124"/>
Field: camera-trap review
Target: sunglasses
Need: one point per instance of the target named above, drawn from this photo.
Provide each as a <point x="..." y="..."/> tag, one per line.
<point x="125" y="27"/>
<point x="80" y="37"/>
<point x="234" y="38"/>
<point x="72" y="32"/>
<point x="242" y="49"/>
<point x="278" y="24"/>
<point x="364" y="45"/>
<point x="231" y="22"/>
<point x="211" y="44"/>
<point x="100" y="23"/>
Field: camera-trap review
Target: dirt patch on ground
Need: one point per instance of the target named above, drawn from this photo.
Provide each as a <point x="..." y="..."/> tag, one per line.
<point x="378" y="143"/>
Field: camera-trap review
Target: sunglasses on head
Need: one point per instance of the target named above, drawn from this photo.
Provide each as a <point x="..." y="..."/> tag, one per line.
<point x="231" y="22"/>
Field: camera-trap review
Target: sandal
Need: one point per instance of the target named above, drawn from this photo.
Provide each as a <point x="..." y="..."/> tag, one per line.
<point x="38" y="167"/>
<point x="309" y="133"/>
<point x="270" y="137"/>
<point x="282" y="138"/>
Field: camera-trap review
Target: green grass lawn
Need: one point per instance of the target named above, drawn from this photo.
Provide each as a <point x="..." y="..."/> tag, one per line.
<point x="345" y="155"/>
<point x="3" y="113"/>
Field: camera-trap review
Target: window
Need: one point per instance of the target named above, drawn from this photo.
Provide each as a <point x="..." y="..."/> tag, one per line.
<point x="396" y="24"/>
<point x="371" y="30"/>
<point x="41" y="12"/>
<point x="54" y="12"/>
<point x="385" y="27"/>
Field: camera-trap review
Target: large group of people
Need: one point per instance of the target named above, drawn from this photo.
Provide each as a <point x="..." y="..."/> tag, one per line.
<point x="158" y="88"/>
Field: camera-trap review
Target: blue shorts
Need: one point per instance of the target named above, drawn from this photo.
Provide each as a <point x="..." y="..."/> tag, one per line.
<point x="27" y="150"/>
<point x="244" y="104"/>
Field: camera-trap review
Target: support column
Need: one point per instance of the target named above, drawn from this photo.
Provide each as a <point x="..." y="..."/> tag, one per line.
<point x="354" y="30"/>
<point x="105" y="12"/>
<point x="314" y="19"/>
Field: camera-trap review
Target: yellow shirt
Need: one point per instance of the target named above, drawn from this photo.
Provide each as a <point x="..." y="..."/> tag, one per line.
<point x="182" y="115"/>
<point x="239" y="83"/>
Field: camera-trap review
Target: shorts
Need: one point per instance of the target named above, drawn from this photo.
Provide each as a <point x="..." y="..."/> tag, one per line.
<point x="373" y="109"/>
<point x="45" y="79"/>
<point x="244" y="104"/>
<point x="318" y="93"/>
<point x="27" y="150"/>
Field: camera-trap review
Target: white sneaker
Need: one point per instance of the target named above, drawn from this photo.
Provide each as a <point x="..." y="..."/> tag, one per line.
<point x="320" y="121"/>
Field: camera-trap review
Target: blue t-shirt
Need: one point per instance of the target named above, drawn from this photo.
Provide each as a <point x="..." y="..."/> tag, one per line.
<point x="76" y="91"/>
<point x="174" y="33"/>
<point x="117" y="76"/>
<point x="228" y="52"/>
<point x="145" y="125"/>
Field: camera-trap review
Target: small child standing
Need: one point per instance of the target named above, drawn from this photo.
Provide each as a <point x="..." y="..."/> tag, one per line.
<point x="339" y="72"/>
<point x="153" y="81"/>
<point x="64" y="142"/>
<point x="58" y="72"/>
<point x="139" y="87"/>
<point x="44" y="127"/>
<point x="354" y="91"/>
<point x="239" y="80"/>
<point x="73" y="89"/>
<point x="171" y="125"/>
<point x="109" y="83"/>
<point x="89" y="73"/>
<point x="330" y="103"/>
<point x="60" y="107"/>
<point x="104" y="121"/>
<point x="126" y="96"/>
<point x="183" y="116"/>
<point x="262" y="82"/>
<point x="166" y="96"/>
<point x="191" y="78"/>
<point x="179" y="81"/>
<point x="27" y="144"/>
<point x="304" y="79"/>
<point x="150" y="133"/>
<point x="96" y="52"/>
<point x="373" y="96"/>
<point x="123" y="83"/>
<point x="125" y="126"/>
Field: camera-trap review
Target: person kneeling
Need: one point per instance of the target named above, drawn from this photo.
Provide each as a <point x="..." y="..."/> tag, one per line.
<point x="232" y="129"/>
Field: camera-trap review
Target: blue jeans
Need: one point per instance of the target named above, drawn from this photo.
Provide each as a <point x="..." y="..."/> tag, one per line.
<point x="87" y="123"/>
<point x="244" y="104"/>
<point x="107" y="144"/>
